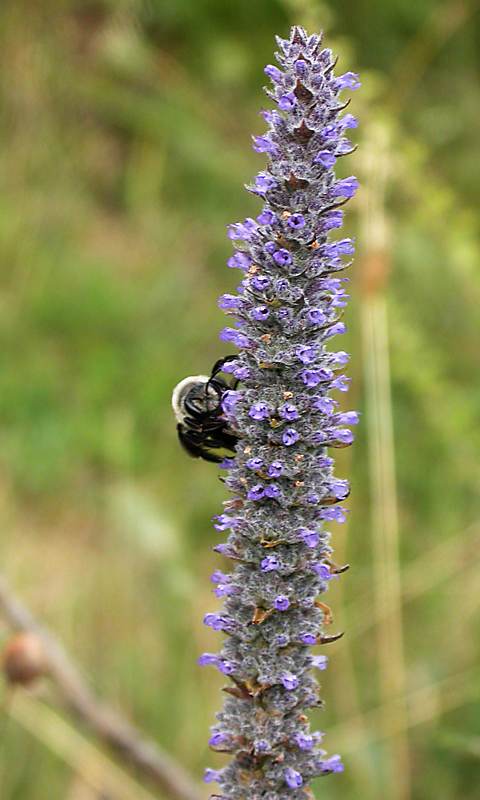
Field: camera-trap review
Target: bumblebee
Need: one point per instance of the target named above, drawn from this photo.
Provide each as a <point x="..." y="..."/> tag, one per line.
<point x="197" y="405"/>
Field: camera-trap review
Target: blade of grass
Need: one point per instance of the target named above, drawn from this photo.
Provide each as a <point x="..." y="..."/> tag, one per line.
<point x="95" y="768"/>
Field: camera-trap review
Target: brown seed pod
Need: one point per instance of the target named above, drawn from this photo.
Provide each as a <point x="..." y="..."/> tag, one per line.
<point x="24" y="659"/>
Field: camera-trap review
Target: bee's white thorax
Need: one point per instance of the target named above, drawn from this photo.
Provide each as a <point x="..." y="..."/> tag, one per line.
<point x="180" y="392"/>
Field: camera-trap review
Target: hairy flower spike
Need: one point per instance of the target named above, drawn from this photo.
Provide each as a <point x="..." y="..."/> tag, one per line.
<point x="288" y="306"/>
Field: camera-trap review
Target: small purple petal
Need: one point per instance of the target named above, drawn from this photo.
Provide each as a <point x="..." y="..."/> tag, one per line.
<point x="208" y="659"/>
<point x="254" y="463"/>
<point x="349" y="80"/>
<point x="282" y="603"/>
<point x="275" y="469"/>
<point x="211" y="775"/>
<point x="325" y="158"/>
<point x="273" y="73"/>
<point x="288" y="411"/>
<point x="293" y="779"/>
<point x="319" y="662"/>
<point x="259" y="411"/>
<point x="282" y="257"/>
<point x="269" y="564"/>
<point x="256" y="492"/>
<point x="290" y="436"/>
<point x="217" y="739"/>
<point x="287" y="102"/>
<point x="260" y="313"/>
<point x="345" y="188"/>
<point x="236" y="337"/>
<point x="289" y="680"/>
<point x="267" y="217"/>
<point x="296" y="221"/>
<point x="272" y="491"/>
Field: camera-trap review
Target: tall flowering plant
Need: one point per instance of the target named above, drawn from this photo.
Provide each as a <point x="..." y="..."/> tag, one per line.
<point x="287" y="309"/>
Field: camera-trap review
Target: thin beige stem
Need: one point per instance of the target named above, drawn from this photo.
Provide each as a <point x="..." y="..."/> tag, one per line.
<point x="111" y="728"/>
<point x="385" y="532"/>
<point x="439" y="564"/>
<point x="422" y="705"/>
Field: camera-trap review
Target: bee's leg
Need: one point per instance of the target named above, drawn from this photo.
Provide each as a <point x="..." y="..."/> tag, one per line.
<point x="217" y="367"/>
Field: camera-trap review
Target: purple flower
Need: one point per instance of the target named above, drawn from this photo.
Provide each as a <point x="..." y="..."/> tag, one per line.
<point x="254" y="463"/>
<point x="212" y="775"/>
<point x="343" y="435"/>
<point x="288" y="411"/>
<point x="325" y="405"/>
<point x="224" y="521"/>
<point x="336" y="330"/>
<point x="341" y="357"/>
<point x="319" y="662"/>
<point x="340" y="489"/>
<point x="325" y="158"/>
<point x="282" y="602"/>
<point x="349" y="121"/>
<point x="229" y="403"/>
<point x="285" y="311"/>
<point x="260" y="313"/>
<point x="215" y="621"/>
<point x="348" y="81"/>
<point x="208" y="659"/>
<point x="293" y="779"/>
<point x="256" y="492"/>
<point x="304" y="741"/>
<point x="269" y="564"/>
<point x="242" y="230"/>
<point x="228" y="301"/>
<point x="296" y="221"/>
<point x="219" y="577"/>
<point x="346" y="187"/>
<point x="273" y="73"/>
<point x="275" y="470"/>
<point x="282" y="257"/>
<point x="312" y="377"/>
<point x="287" y="102"/>
<point x="262" y="144"/>
<point x="306" y="354"/>
<point x="259" y="411"/>
<point x="267" y="217"/>
<point x="342" y="383"/>
<point x="336" y="514"/>
<point x="236" y="337"/>
<point x="347" y="418"/>
<point x="239" y="260"/>
<point x="263" y="183"/>
<point x="226" y="667"/>
<point x="217" y="739"/>
<point x="289" y="681"/>
<point x="316" y="316"/>
<point x="323" y="572"/>
<point x="260" y="282"/>
<point x="290" y="436"/>
<point x="332" y="764"/>
<point x="309" y="537"/>
<point x="272" y="491"/>
<point x="332" y="219"/>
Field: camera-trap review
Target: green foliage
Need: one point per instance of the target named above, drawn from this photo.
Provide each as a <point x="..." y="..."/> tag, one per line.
<point x="125" y="131"/>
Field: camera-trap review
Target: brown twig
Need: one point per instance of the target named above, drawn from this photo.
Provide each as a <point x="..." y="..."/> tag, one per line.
<point x="127" y="741"/>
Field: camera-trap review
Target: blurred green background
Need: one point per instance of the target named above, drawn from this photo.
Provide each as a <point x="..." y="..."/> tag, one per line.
<point x="125" y="143"/>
